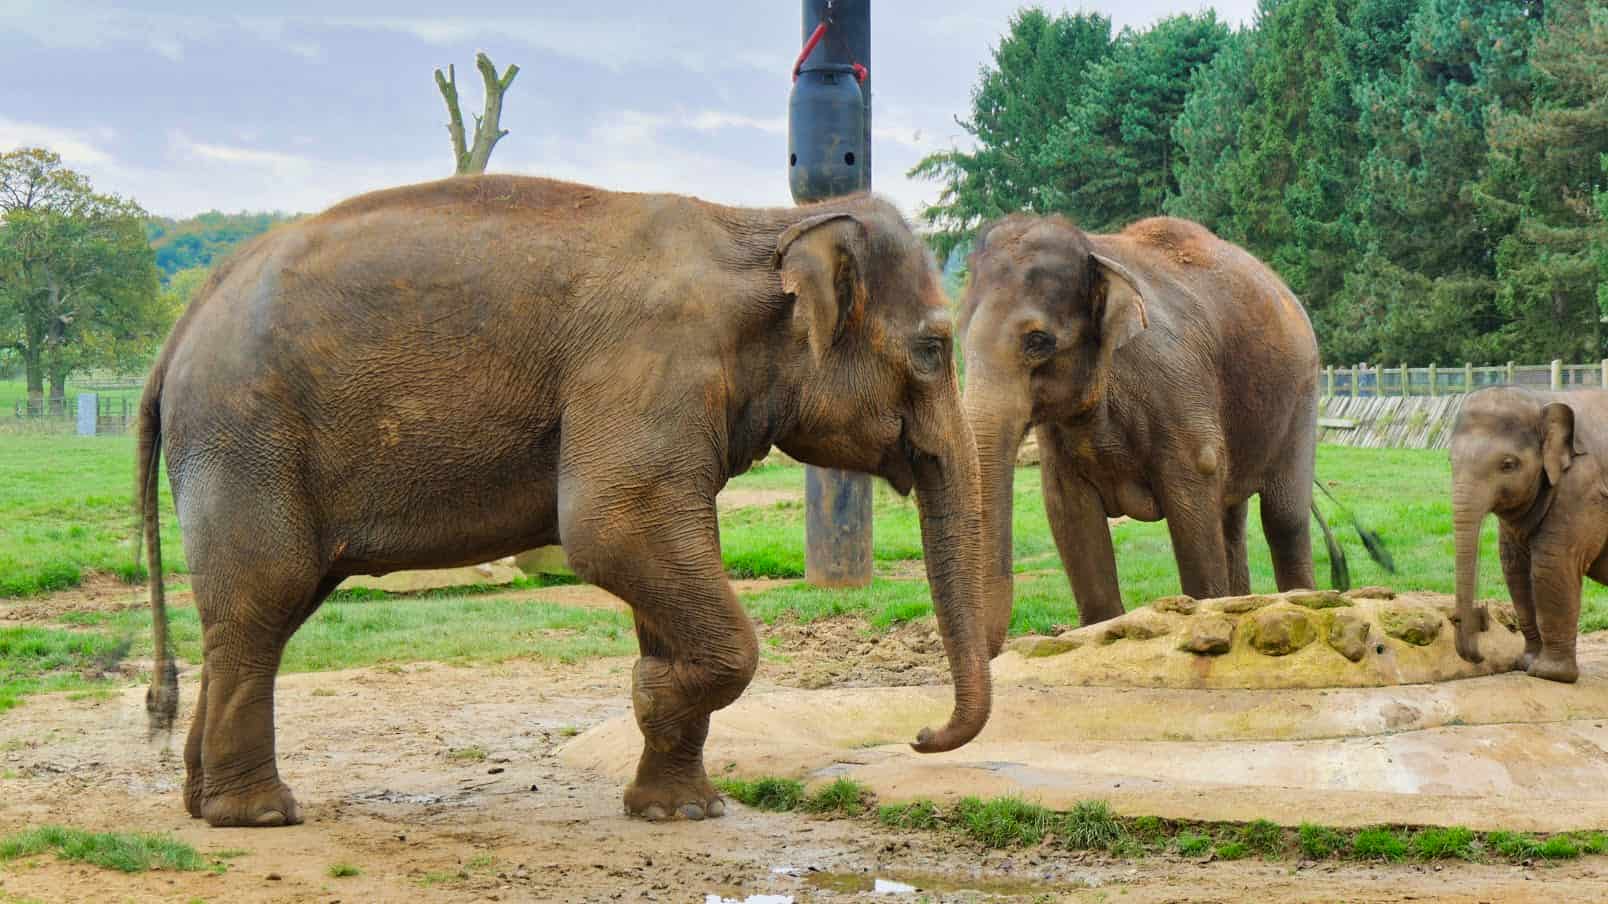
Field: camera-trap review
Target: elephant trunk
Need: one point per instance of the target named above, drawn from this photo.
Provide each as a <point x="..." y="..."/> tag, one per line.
<point x="1468" y="517"/>
<point x="999" y="437"/>
<point x="946" y="494"/>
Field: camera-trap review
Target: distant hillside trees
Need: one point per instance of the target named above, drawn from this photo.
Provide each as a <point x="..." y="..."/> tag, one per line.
<point x="1430" y="176"/>
<point x="205" y="238"/>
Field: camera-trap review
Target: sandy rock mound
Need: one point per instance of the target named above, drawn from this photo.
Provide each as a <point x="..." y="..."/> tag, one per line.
<point x="1307" y="638"/>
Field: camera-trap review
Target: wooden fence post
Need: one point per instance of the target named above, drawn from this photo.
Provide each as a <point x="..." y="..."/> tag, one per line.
<point x="1328" y="373"/>
<point x="1510" y="374"/>
<point x="1468" y="376"/>
<point x="1405" y="388"/>
<point x="1557" y="375"/>
<point x="1434" y="377"/>
<point x="1603" y="381"/>
<point x="1356" y="381"/>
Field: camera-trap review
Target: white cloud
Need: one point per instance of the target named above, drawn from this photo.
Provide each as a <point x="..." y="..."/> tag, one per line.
<point x="715" y="120"/>
<point x="75" y="147"/>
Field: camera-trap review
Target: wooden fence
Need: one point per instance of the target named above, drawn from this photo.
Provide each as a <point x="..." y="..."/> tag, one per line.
<point x="1391" y="422"/>
<point x="1380" y="381"/>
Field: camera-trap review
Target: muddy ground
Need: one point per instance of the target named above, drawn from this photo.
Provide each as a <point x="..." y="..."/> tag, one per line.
<point x="441" y="783"/>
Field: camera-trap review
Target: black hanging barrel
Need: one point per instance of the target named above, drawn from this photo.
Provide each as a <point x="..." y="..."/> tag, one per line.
<point x="826" y="134"/>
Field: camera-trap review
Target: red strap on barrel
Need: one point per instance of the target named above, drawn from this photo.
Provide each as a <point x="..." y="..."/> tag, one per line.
<point x="860" y="72"/>
<point x="815" y="38"/>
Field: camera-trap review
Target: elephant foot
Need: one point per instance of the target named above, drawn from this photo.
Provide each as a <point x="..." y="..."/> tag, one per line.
<point x="263" y="806"/>
<point x="1555" y="667"/>
<point x="674" y="799"/>
<point x="1526" y="660"/>
<point x="193" y="794"/>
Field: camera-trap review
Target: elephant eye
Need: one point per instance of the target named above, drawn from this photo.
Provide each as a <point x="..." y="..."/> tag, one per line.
<point x="1038" y="344"/>
<point x="930" y="353"/>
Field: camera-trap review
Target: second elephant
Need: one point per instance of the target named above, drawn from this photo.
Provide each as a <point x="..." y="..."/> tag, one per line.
<point x="1167" y="374"/>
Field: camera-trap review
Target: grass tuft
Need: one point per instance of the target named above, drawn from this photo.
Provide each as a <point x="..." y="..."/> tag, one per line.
<point x="1456" y="843"/>
<point x="1192" y="844"/>
<point x="129" y="852"/>
<point x="918" y="814"/>
<point x="1263" y="837"/>
<point x="775" y="794"/>
<point x="343" y="870"/>
<point x="1002" y="821"/>
<point x="844" y="797"/>
<point x="1232" y="850"/>
<point x="1320" y="842"/>
<point x="1378" y="844"/>
<point x="1559" y="847"/>
<point x="1513" y="845"/>
<point x="1091" y="826"/>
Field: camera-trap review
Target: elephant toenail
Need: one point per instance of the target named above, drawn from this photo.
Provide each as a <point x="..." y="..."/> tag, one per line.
<point x="692" y="811"/>
<point x="655" y="813"/>
<point x="717" y="808"/>
<point x="270" y="818"/>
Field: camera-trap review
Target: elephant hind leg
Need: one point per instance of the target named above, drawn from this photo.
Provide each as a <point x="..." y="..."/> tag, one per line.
<point x="251" y="597"/>
<point x="1239" y="563"/>
<point x="1286" y="504"/>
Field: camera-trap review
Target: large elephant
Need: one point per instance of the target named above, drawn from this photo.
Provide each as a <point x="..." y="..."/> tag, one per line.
<point x="1166" y="374"/>
<point x="1534" y="460"/>
<point x="358" y="392"/>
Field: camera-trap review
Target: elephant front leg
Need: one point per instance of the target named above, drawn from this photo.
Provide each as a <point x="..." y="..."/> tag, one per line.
<point x="1516" y="570"/>
<point x="698" y="646"/>
<point x="1082" y="537"/>
<point x="1556" y="578"/>
<point x="1194" y="510"/>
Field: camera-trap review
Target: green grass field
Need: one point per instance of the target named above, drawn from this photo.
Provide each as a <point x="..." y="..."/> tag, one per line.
<point x="65" y="512"/>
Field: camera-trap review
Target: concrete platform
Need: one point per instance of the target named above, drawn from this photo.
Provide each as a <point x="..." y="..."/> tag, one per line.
<point x="1494" y="751"/>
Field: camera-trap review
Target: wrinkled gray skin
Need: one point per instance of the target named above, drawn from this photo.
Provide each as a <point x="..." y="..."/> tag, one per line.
<point x="356" y="393"/>
<point x="1166" y="374"/>
<point x="1533" y="459"/>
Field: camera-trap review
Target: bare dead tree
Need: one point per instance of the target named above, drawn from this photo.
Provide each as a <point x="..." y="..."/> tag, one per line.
<point x="488" y="131"/>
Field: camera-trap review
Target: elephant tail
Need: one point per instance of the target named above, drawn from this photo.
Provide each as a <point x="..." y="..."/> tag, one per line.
<point x="1371" y="541"/>
<point x="1339" y="571"/>
<point x="162" y="699"/>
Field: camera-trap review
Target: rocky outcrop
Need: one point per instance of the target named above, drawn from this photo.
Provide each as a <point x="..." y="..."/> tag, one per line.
<point x="1304" y="638"/>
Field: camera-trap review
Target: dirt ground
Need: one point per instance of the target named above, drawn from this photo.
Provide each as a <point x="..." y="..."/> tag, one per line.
<point x="442" y="783"/>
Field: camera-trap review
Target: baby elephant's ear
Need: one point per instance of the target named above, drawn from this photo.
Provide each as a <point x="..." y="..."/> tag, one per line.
<point x="821" y="261"/>
<point x="1120" y="302"/>
<point x="1559" y="441"/>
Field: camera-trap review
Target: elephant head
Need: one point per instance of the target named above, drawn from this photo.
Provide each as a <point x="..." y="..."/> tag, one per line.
<point x="878" y="394"/>
<point x="1043" y="316"/>
<point x="1510" y="449"/>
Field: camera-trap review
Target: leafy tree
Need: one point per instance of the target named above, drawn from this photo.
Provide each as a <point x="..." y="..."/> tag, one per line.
<point x="1539" y="192"/>
<point x="1040" y="65"/>
<point x="78" y="283"/>
<point x="1206" y="135"/>
<point x="1109" y="161"/>
<point x="1422" y="286"/>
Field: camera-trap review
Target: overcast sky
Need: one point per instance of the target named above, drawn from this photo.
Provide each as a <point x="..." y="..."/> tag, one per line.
<point x="295" y="106"/>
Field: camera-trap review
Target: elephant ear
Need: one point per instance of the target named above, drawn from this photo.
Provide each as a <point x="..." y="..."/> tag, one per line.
<point x="1559" y="441"/>
<point x="821" y="261"/>
<point x="1119" y="302"/>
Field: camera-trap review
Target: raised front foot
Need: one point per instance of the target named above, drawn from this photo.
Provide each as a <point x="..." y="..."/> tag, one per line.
<point x="264" y="806"/>
<point x="674" y="799"/>
<point x="1555" y="667"/>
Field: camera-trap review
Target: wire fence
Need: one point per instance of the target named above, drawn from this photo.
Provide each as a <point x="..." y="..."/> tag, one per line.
<point x="1366" y="381"/>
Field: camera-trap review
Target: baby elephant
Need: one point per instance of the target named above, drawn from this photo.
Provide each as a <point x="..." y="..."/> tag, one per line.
<point x="1532" y="458"/>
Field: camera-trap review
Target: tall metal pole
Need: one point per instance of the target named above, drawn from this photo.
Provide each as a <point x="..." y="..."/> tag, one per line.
<point x="837" y="525"/>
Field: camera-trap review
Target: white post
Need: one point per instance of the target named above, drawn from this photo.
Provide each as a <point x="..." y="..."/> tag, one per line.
<point x="1434" y="377"/>
<point x="1468" y="376"/>
<point x="1557" y="375"/>
<point x="1510" y="374"/>
<point x="1404" y="388"/>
